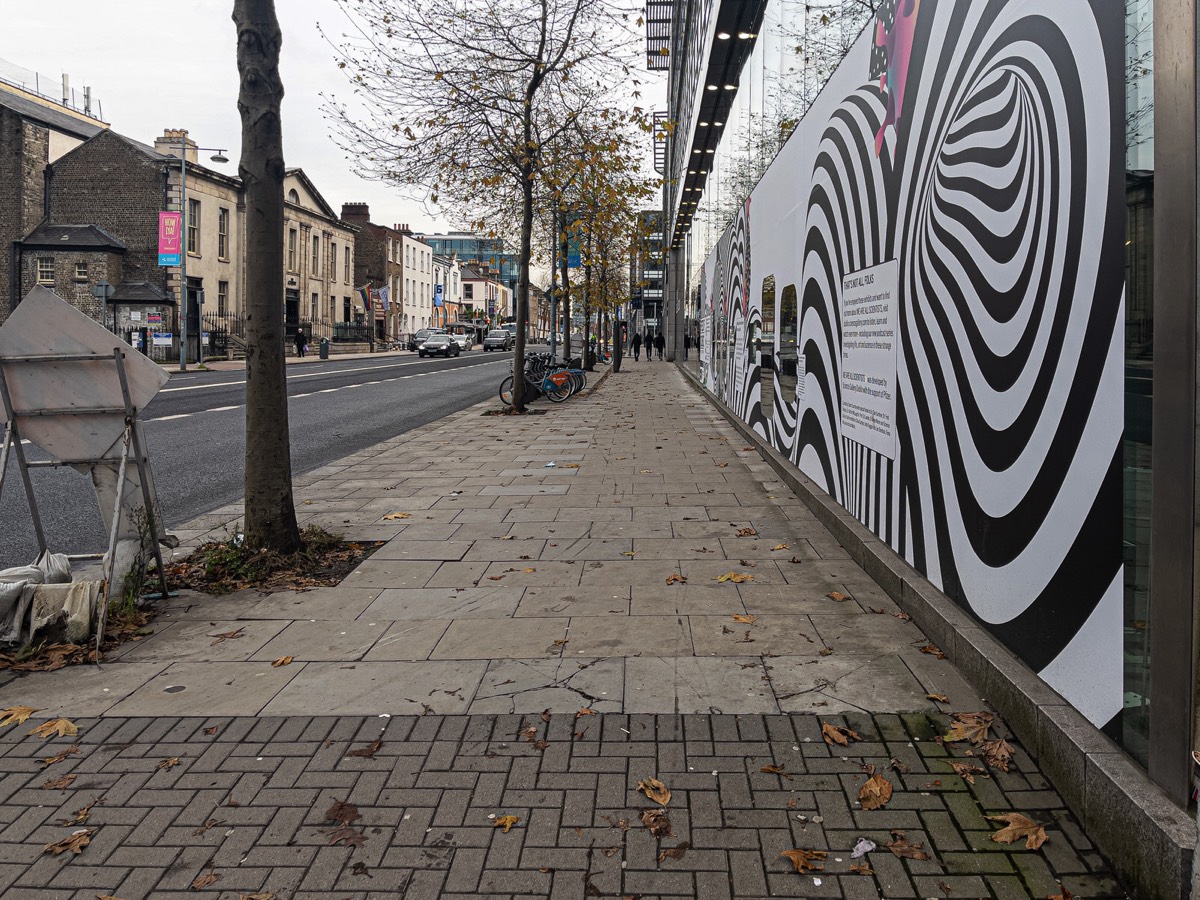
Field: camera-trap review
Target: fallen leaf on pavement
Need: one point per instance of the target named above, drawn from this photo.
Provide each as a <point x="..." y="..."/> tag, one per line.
<point x="746" y="619"/>
<point x="1065" y="895"/>
<point x="805" y="860"/>
<point x="506" y="823"/>
<point x="655" y="790"/>
<point x="901" y="846"/>
<point x="838" y="596"/>
<point x="59" y="784"/>
<point x="169" y="763"/>
<point x="368" y="751"/>
<point x="360" y="868"/>
<point x="528" y="569"/>
<point x="346" y="836"/>
<point x="676" y="579"/>
<point x="902" y="616"/>
<point x="1017" y="827"/>
<point x="81" y="815"/>
<point x="674" y="852"/>
<point x="825" y="651"/>
<point x="343" y="813"/>
<point x="940" y="698"/>
<point x="59" y="757"/>
<point x="746" y="532"/>
<point x="838" y="734"/>
<point x="211" y="730"/>
<point x="59" y="727"/>
<point x="15" y="715"/>
<point x="875" y="793"/>
<point x="971" y="727"/>
<point x="391" y="517"/>
<point x="968" y="771"/>
<point x="282" y="661"/>
<point x="899" y="765"/>
<point x="657" y="822"/>
<point x="227" y="636"/>
<point x="997" y="753"/>
<point x="570" y="466"/>
<point x="263" y="895"/>
<point x="861" y="869"/>
<point x="509" y="537"/>
<point x="933" y="651"/>
<point x="495" y="577"/>
<point x="208" y="823"/>
<point x="629" y="553"/>
<point x="735" y="577"/>
<point x="776" y="770"/>
<point x="719" y="466"/>
<point x="585" y="711"/>
<point x="74" y="842"/>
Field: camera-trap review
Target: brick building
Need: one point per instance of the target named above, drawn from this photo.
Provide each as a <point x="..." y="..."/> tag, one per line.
<point x="375" y="261"/>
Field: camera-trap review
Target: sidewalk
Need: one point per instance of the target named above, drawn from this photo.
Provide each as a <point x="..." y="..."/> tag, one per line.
<point x="515" y="649"/>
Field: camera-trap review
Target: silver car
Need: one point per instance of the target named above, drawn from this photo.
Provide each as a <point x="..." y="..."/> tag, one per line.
<point x="498" y="339"/>
<point x="463" y="339"/>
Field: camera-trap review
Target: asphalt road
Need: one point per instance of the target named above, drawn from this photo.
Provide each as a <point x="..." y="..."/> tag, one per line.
<point x="195" y="428"/>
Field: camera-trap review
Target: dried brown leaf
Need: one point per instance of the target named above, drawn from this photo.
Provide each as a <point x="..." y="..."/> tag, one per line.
<point x="75" y="842"/>
<point x="746" y="532"/>
<point x="838" y="734"/>
<point x="585" y="711"/>
<point x="776" y="770"/>
<point x="227" y="636"/>
<point x="875" y="793"/>
<point x="343" y="813"/>
<point x="367" y="752"/>
<point x="55" y="727"/>
<point x="968" y="771"/>
<point x="59" y="784"/>
<point x="676" y="579"/>
<point x="938" y="698"/>
<point x="997" y="753"/>
<point x="208" y="823"/>
<point x="862" y="868"/>
<point x="1065" y="895"/>
<point x="204" y="880"/>
<point x="933" y="651"/>
<point x="212" y="730"/>
<point x="657" y="822"/>
<point x="347" y="836"/>
<point x="676" y="852"/>
<point x="782" y="547"/>
<point x="169" y="763"/>
<point x="81" y="815"/>
<point x="282" y="661"/>
<point x="15" y="715"/>
<point x="838" y="596"/>
<point x="59" y="757"/>
<point x="971" y="727"/>
<point x="506" y="823"/>
<point x="655" y="790"/>
<point x="747" y="619"/>
<point x="1018" y="826"/>
<point x="805" y="860"/>
<point x="735" y="577"/>
<point x="391" y="517"/>
<point x="901" y="846"/>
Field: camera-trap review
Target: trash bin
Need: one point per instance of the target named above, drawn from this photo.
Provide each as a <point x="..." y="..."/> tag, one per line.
<point x="323" y="348"/>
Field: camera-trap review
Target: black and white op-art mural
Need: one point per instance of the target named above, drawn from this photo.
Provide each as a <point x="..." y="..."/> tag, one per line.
<point x="950" y="219"/>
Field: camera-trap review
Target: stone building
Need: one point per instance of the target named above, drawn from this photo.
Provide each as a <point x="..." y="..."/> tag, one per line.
<point x="318" y="260"/>
<point x="447" y="274"/>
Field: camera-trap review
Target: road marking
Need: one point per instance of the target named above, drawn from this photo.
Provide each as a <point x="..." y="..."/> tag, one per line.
<point x="223" y="408"/>
<point x="169" y="418"/>
<point x="392" y="365"/>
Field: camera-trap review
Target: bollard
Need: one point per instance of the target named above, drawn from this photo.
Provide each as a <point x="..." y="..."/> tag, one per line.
<point x="323" y="348"/>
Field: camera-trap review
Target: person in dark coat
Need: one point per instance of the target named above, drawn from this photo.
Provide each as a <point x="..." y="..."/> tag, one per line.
<point x="660" y="344"/>
<point x="687" y="345"/>
<point x="637" y="346"/>
<point x="300" y="342"/>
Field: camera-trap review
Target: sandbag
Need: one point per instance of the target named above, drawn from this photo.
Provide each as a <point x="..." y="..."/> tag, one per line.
<point x="56" y="568"/>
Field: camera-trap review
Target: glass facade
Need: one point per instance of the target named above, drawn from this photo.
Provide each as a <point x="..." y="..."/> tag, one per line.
<point x="472" y="249"/>
<point x="1134" y="732"/>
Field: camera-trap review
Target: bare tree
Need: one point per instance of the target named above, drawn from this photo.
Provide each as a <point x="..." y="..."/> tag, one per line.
<point x="462" y="99"/>
<point x="270" y="520"/>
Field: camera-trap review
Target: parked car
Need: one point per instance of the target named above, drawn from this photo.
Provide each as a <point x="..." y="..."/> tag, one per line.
<point x="419" y="337"/>
<point x="439" y="345"/>
<point x="498" y="339"/>
<point x="463" y="339"/>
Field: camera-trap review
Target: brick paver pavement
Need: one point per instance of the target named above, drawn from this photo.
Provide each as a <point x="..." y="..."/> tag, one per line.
<point x="204" y="760"/>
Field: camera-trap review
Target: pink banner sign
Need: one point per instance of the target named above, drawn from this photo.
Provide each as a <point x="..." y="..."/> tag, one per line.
<point x="170" y="238"/>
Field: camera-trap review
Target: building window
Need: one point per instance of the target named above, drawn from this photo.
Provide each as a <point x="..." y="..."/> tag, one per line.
<point x="332" y="261"/>
<point x="223" y="233"/>
<point x="332" y="308"/>
<point x="293" y="196"/>
<point x="222" y="297"/>
<point x="45" y="270"/>
<point x="81" y="271"/>
<point x="193" y="229"/>
<point x="316" y="307"/>
<point x="346" y="265"/>
<point x="291" y="249"/>
<point x="468" y="292"/>
<point x="316" y="257"/>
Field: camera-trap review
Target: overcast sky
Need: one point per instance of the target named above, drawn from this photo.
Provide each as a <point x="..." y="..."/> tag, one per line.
<point x="158" y="65"/>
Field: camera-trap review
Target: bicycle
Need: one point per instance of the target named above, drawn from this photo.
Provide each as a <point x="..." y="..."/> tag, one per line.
<point x="543" y="376"/>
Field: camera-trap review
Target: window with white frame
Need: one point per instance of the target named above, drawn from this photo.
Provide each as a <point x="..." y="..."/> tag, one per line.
<point x="291" y="249"/>
<point x="45" y="270"/>
<point x="81" y="271"/>
<point x="346" y="265"/>
<point x="332" y="261"/>
<point x="316" y="256"/>
<point x="223" y="233"/>
<point x="193" y="229"/>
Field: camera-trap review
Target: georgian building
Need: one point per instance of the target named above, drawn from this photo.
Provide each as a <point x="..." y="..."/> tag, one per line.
<point x="486" y="296"/>
<point x="318" y="265"/>
<point x="447" y="275"/>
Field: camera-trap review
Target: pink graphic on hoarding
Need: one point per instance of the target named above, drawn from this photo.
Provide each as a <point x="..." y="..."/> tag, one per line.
<point x="898" y="44"/>
<point x="170" y="238"/>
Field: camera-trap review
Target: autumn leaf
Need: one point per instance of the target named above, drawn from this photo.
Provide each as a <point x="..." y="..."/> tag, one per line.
<point x="570" y="466"/>
<point x="676" y="579"/>
<point x="1065" y="895"/>
<point x="838" y="734"/>
<point x="81" y="815"/>
<point x="585" y="711"/>
<point x="343" y="813"/>
<point x="901" y="846"/>
<point x="805" y="860"/>
<point x="346" y="836"/>
<point x="227" y="636"/>
<point x="75" y="842"/>
<point x="968" y="771"/>
<point x="997" y="753"/>
<point x="735" y="577"/>
<point x="861" y="869"/>
<point x="838" y="596"/>
<point x="212" y="730"/>
<point x="875" y="793"/>
<point x="747" y="619"/>
<point x="506" y="823"/>
<point x="59" y="784"/>
<point x="776" y="770"/>
<point x="940" y="698"/>
<point x="495" y="577"/>
<point x="367" y="752"/>
<point x="282" y="661"/>
<point x="15" y="715"/>
<point x="655" y="790"/>
<point x="59" y="757"/>
<point x="208" y="823"/>
<point x="657" y="822"/>
<point x="781" y="547"/>
<point x="933" y="651"/>
<point x="169" y="763"/>
<point x="629" y="553"/>
<point x="971" y="727"/>
<point x="1018" y="826"/>
<point x="722" y="465"/>
<point x="528" y="569"/>
<point x="674" y="852"/>
<point x="59" y="727"/>
<point x="391" y="517"/>
<point x="746" y="532"/>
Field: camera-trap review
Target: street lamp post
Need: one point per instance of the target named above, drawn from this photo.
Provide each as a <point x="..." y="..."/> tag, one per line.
<point x="218" y="157"/>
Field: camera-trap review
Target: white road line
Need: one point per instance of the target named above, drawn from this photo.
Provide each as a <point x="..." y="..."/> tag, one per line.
<point x="200" y="387"/>
<point x="169" y="418"/>
<point x="223" y="408"/>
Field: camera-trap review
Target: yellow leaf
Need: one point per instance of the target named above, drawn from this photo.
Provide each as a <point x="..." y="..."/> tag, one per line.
<point x="676" y="579"/>
<point x="570" y="466"/>
<point x="781" y="547"/>
<point x="940" y="698"/>
<point x="629" y="553"/>
<point x="803" y="860"/>
<point x="735" y="577"/>
<point x="837" y="596"/>
<point x="282" y="661"/>
<point x="528" y="569"/>
<point x="875" y="793"/>
<point x="747" y="619"/>
<point x="397" y="515"/>
<point x="1017" y="827"/>
<point x="15" y="715"/>
<point x="506" y="822"/>
<point x="655" y="790"/>
<point x="60" y="727"/>
<point x="838" y="734"/>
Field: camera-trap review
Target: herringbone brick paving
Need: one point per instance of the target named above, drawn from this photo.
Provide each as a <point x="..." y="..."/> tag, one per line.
<point x="248" y="803"/>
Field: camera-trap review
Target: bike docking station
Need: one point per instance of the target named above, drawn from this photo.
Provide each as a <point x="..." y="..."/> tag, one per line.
<point x="73" y="389"/>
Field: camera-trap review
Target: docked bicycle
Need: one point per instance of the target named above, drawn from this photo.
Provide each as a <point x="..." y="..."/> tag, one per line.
<point x="544" y="376"/>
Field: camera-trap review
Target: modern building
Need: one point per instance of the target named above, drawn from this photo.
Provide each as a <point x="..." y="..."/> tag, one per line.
<point x="647" y="272"/>
<point x="479" y="252"/>
<point x="978" y="345"/>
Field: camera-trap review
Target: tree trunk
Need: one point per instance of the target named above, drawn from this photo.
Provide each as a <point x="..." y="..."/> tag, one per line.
<point x="270" y="511"/>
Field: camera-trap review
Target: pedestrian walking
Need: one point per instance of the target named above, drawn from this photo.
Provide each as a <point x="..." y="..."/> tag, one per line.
<point x="687" y="345"/>
<point x="637" y="346"/>
<point x="660" y="344"/>
<point x="299" y="338"/>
